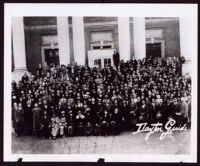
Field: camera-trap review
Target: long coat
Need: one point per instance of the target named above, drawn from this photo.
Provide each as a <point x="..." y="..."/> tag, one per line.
<point x="36" y="112"/>
<point x="116" y="59"/>
<point x="44" y="126"/>
<point x="133" y="113"/>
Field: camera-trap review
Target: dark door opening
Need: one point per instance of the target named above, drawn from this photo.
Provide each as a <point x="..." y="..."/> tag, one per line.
<point x="153" y="50"/>
<point x="97" y="62"/>
<point x="51" y="56"/>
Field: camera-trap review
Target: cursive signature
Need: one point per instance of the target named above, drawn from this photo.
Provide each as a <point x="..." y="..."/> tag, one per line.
<point x="165" y="130"/>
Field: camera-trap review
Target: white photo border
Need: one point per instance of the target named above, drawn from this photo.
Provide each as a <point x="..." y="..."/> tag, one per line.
<point x="129" y="10"/>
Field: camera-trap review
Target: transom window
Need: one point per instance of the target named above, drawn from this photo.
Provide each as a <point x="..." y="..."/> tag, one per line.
<point x="101" y="40"/>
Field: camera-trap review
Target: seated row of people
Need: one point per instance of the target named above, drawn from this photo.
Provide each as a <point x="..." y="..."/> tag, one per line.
<point x="102" y="119"/>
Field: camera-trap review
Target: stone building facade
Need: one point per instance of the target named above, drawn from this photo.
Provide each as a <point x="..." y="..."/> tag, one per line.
<point x="92" y="40"/>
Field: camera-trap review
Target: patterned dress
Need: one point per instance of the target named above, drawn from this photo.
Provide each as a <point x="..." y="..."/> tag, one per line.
<point x="55" y="126"/>
<point x="63" y="125"/>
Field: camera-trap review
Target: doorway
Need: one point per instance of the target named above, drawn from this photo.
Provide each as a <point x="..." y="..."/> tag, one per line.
<point x="154" y="50"/>
<point x="102" y="62"/>
<point x="51" y="56"/>
<point x="100" y="58"/>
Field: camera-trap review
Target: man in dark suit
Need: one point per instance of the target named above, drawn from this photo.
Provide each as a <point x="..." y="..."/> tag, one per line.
<point x="116" y="59"/>
<point x="44" y="125"/>
<point x="45" y="106"/>
<point x="176" y="111"/>
<point x="117" y="118"/>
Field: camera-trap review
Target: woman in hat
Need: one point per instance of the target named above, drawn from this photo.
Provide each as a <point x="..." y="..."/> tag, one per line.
<point x="63" y="125"/>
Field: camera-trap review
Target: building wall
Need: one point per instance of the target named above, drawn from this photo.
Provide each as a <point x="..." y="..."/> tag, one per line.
<point x="171" y="35"/>
<point x="39" y="21"/>
<point x="33" y="46"/>
<point x="35" y="27"/>
<point x="99" y="19"/>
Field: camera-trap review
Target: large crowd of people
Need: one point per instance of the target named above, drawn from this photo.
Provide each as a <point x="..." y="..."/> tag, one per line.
<point x="78" y="100"/>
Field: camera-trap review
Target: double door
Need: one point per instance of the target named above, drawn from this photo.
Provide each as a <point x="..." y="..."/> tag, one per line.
<point x="100" y="58"/>
<point x="51" y="56"/>
<point x="102" y="62"/>
<point x="153" y="50"/>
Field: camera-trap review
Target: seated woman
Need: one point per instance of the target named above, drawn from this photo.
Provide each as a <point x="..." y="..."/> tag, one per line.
<point x="63" y="125"/>
<point x="54" y="126"/>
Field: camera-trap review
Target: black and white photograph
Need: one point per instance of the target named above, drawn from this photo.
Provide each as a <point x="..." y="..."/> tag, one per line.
<point x="117" y="84"/>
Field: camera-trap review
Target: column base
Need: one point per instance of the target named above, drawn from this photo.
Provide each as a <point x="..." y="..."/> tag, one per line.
<point x="18" y="73"/>
<point x="186" y="68"/>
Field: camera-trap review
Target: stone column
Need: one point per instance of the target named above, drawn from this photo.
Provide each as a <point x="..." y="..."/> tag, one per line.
<point x="139" y="37"/>
<point x="78" y="40"/>
<point x="19" y="52"/>
<point x="185" y="44"/>
<point x="19" y="43"/>
<point x="124" y="38"/>
<point x="63" y="40"/>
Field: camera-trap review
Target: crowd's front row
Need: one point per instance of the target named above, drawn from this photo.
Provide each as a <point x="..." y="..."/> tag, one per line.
<point x="109" y="119"/>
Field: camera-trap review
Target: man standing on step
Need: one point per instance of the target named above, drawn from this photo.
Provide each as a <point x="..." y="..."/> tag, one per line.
<point x="116" y="59"/>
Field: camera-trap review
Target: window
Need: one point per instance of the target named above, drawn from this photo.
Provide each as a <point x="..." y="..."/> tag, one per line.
<point x="107" y="62"/>
<point x="49" y="40"/>
<point x="101" y="40"/>
<point x="97" y="62"/>
<point x="49" y="49"/>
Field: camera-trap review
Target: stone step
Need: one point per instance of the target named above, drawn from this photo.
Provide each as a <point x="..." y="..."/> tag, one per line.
<point x="17" y="75"/>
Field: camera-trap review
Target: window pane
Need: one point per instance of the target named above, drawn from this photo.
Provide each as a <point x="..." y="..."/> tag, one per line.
<point x="109" y="61"/>
<point x="99" y="62"/>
